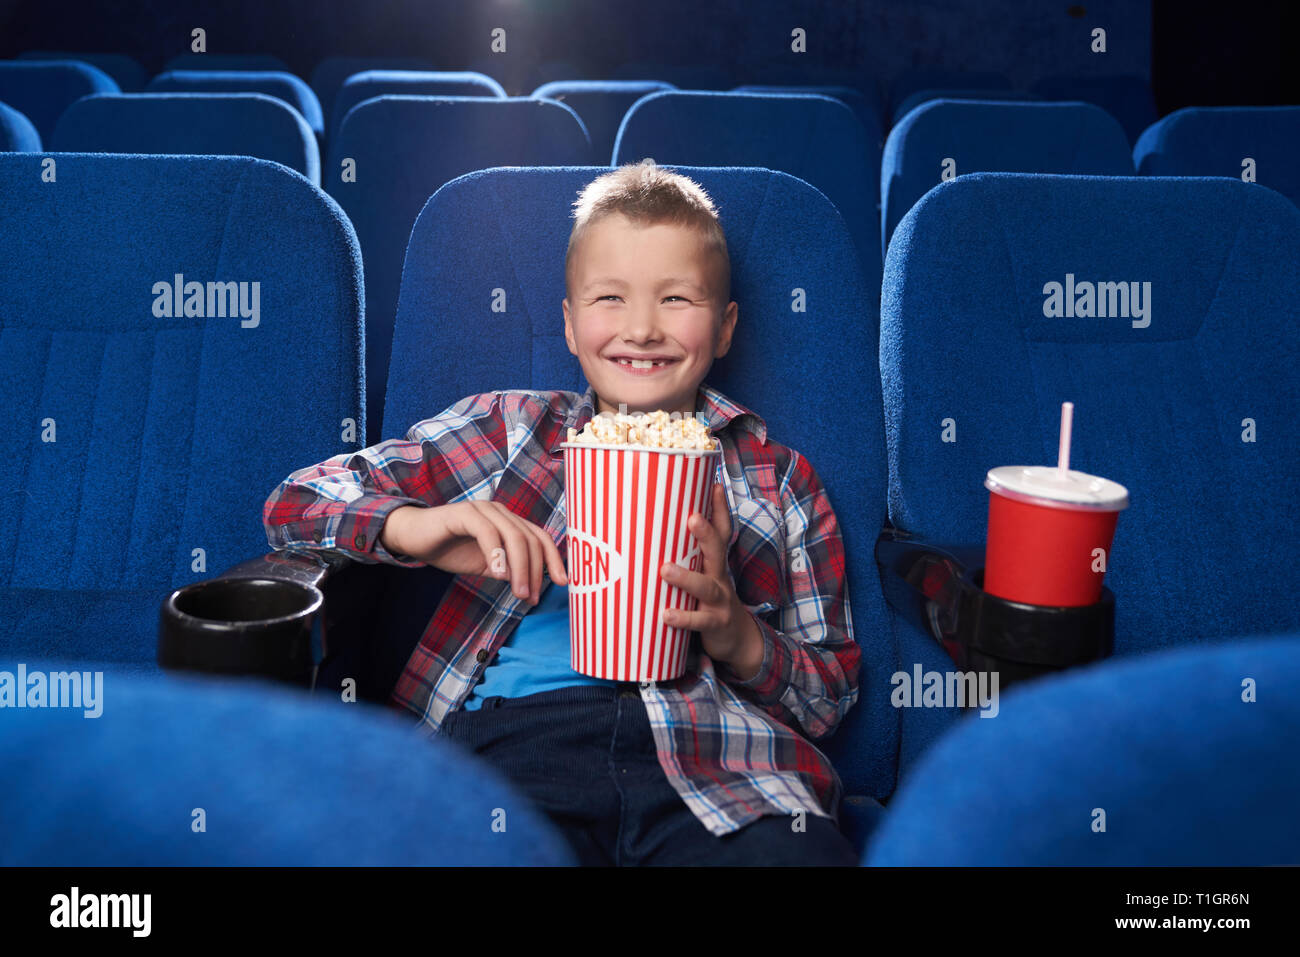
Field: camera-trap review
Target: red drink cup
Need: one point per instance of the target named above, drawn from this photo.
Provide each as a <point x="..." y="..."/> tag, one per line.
<point x="1045" y="527"/>
<point x="627" y="508"/>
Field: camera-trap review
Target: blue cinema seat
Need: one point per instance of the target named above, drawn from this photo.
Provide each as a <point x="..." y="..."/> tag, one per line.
<point x="1125" y="97"/>
<point x="41" y="90"/>
<point x="252" y="62"/>
<point x="939" y="78"/>
<point x="994" y="136"/>
<point x="17" y="135"/>
<point x="145" y="443"/>
<point x="816" y="138"/>
<point x="373" y="83"/>
<point x="1218" y="141"/>
<point x="193" y="771"/>
<point x="684" y="76"/>
<point x="811" y="375"/>
<point x="912" y="101"/>
<point x="865" y="106"/>
<point x="600" y="104"/>
<point x="243" y="124"/>
<point x="403" y="148"/>
<point x="1186" y="758"/>
<point x="125" y="71"/>
<point x="282" y="85"/>
<point x="330" y="73"/>
<point x="1187" y="401"/>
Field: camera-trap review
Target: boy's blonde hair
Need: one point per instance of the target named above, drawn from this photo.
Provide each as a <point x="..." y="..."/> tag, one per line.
<point x="649" y="195"/>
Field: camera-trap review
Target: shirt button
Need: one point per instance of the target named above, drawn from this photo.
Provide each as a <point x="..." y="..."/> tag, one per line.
<point x="360" y="540"/>
<point x="482" y="654"/>
<point x="317" y="536"/>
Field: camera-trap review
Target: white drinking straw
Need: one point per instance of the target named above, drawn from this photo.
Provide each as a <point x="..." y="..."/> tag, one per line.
<point x="1063" y="457"/>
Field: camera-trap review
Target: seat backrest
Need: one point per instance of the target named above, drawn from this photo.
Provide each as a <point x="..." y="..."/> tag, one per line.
<point x="814" y="137"/>
<point x="945" y="138"/>
<point x="284" y="86"/>
<point x="17" y="135"/>
<point x="937" y="78"/>
<point x="42" y="90"/>
<point x="125" y="71"/>
<point x="254" y="62"/>
<point x="811" y="375"/>
<point x="1259" y="141"/>
<point x="683" y="76"/>
<point x="394" y="152"/>
<point x="957" y="93"/>
<point x="1164" y="309"/>
<point x="180" y="333"/>
<point x="1127" y="98"/>
<point x="242" y="124"/>
<point x="601" y="104"/>
<point x="329" y="74"/>
<point x="372" y="83"/>
<point x="864" y="105"/>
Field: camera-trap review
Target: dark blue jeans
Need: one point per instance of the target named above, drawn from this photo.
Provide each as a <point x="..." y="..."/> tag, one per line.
<point x="586" y="756"/>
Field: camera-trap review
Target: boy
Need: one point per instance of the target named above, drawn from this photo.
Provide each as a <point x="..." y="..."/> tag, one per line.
<point x="715" y="766"/>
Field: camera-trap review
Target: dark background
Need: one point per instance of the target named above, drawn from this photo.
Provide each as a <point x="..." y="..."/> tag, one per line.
<point x="1194" y="53"/>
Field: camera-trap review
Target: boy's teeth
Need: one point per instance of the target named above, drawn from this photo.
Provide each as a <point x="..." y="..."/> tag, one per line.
<point x="640" y="363"/>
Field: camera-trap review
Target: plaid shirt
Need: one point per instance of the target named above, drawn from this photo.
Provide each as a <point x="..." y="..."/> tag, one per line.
<point x="734" y="750"/>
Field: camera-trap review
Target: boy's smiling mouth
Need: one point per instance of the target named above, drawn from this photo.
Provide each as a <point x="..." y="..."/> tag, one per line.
<point x="642" y="366"/>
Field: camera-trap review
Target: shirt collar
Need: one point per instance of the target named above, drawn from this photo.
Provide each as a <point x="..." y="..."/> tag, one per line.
<point x="714" y="409"/>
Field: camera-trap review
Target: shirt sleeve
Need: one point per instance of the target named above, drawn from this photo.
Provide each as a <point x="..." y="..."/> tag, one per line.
<point x="340" y="505"/>
<point x="809" y="675"/>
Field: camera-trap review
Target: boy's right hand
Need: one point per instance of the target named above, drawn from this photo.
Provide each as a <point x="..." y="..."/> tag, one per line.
<point x="476" y="538"/>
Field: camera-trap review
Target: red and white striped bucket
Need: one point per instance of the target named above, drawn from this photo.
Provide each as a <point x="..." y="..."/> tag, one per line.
<point x="627" y="509"/>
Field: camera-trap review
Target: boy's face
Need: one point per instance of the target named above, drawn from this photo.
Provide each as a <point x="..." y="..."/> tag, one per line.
<point x="646" y="291"/>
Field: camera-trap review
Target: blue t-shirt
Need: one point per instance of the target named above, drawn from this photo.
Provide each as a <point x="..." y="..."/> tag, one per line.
<point x="535" y="657"/>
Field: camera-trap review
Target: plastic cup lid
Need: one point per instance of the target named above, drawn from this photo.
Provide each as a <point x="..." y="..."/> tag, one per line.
<point x="1045" y="485"/>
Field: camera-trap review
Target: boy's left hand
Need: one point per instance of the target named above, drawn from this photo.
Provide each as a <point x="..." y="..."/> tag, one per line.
<point x="721" y="619"/>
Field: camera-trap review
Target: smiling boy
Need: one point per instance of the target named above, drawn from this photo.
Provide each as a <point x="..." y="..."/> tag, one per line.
<point x="717" y="766"/>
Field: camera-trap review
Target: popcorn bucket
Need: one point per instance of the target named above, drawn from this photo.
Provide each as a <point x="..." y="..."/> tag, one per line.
<point x="627" y="510"/>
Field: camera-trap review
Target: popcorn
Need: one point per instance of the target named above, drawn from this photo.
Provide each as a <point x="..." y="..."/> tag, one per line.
<point x="656" y="430"/>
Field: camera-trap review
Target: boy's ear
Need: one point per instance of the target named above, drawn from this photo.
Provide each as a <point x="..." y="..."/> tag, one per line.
<point x="727" y="329"/>
<point x="568" y="327"/>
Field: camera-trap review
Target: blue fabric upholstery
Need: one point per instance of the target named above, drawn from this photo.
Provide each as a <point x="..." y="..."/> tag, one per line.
<point x="405" y="148"/>
<point x="243" y="124"/>
<point x="328" y="77"/>
<point x="994" y="136"/>
<point x="256" y="62"/>
<point x="865" y="108"/>
<point x="125" y="72"/>
<point x="1214" y="141"/>
<point x="17" y="135"/>
<point x="937" y="78"/>
<point x="373" y="83"/>
<point x="601" y="104"/>
<point x="41" y="90"/>
<point x="1187" y="771"/>
<point x="152" y="440"/>
<point x="816" y="138"/>
<point x="284" y="86"/>
<point x="281" y="778"/>
<point x="1127" y="98"/>
<point x="1201" y="550"/>
<point x="509" y="229"/>
<point x="958" y="93"/>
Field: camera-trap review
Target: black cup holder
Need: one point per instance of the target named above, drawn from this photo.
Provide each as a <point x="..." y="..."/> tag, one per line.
<point x="244" y="626"/>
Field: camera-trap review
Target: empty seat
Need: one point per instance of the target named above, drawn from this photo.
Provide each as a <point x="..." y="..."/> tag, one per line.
<point x="42" y="91"/>
<point x="945" y="138"/>
<point x="393" y="152"/>
<point x="509" y="229"/>
<point x="1162" y="308"/>
<point x="372" y="83"/>
<point x="1185" y="770"/>
<point x="244" y="124"/>
<point x="1127" y="98"/>
<point x="864" y="106"/>
<point x="938" y="78"/>
<point x="816" y="138"/>
<point x="284" y="86"/>
<point x="1262" y="141"/>
<point x="924" y="96"/>
<point x="125" y="71"/>
<point x="330" y="73"/>
<point x="256" y="62"/>
<point x="17" y="135"/>
<point x="600" y="104"/>
<point x="180" y="332"/>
